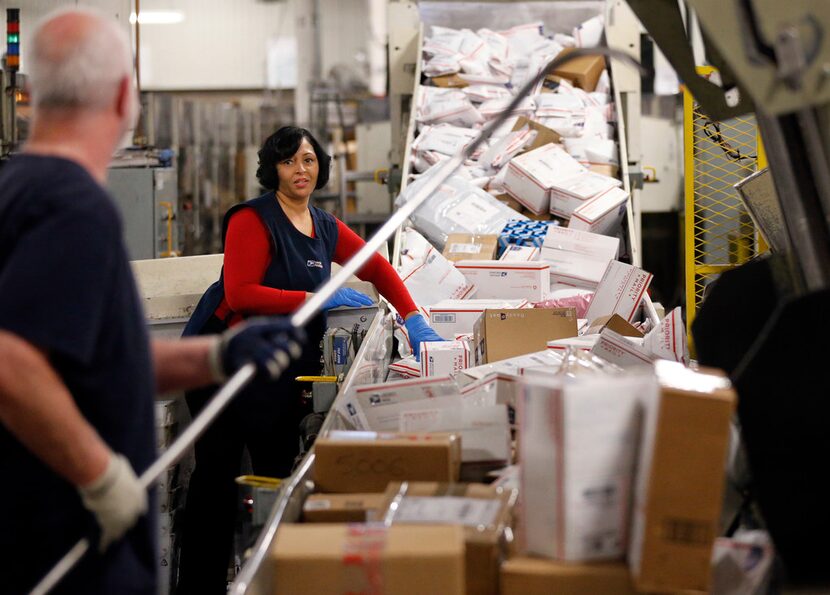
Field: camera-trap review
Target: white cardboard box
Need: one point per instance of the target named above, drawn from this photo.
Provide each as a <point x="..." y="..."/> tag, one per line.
<point x="619" y="292"/>
<point x="602" y="214"/>
<point x="516" y="253"/>
<point x="495" y="279"/>
<point x="668" y="339"/>
<point x="442" y="358"/>
<point x="377" y="407"/>
<point x="485" y="430"/>
<point x="450" y="318"/>
<point x="613" y="347"/>
<point x="578" y="443"/>
<point x="578" y="258"/>
<point x="530" y="175"/>
<point x="572" y="193"/>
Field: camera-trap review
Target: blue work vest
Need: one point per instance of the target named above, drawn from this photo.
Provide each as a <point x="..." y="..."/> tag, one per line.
<point x="298" y="263"/>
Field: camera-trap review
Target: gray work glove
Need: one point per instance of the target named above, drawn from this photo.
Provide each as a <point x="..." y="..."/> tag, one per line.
<point x="116" y="499"/>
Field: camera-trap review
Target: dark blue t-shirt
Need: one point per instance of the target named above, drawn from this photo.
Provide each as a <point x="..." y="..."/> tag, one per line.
<point x="66" y="287"/>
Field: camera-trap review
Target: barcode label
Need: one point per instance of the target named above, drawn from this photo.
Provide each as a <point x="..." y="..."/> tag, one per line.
<point x="443" y="318"/>
<point x="465" y="248"/>
<point x="687" y="531"/>
<point x="470" y="512"/>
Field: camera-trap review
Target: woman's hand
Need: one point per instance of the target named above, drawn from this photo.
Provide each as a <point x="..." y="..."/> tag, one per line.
<point x="419" y="331"/>
<point x="346" y="296"/>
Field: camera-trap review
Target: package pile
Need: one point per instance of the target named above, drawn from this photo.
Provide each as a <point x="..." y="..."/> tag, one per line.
<point x="557" y="440"/>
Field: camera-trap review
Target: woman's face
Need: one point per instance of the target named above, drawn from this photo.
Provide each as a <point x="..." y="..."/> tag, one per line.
<point x="298" y="173"/>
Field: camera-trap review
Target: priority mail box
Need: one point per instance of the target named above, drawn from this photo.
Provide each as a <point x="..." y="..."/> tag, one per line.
<point x="620" y="291"/>
<point x="377" y="407"/>
<point x="502" y="334"/>
<point x="668" y="339"/>
<point x="680" y="478"/>
<point x="626" y="353"/>
<point x="578" y="258"/>
<point x="572" y="193"/>
<point x="483" y="511"/>
<point x="496" y="279"/>
<point x="578" y="443"/>
<point x="333" y="559"/>
<point x="616" y="323"/>
<point x="530" y="175"/>
<point x="347" y="462"/>
<point x="462" y="246"/>
<point x="514" y="253"/>
<point x="341" y="508"/>
<point x="583" y="343"/>
<point x="450" y="318"/>
<point x="484" y="429"/>
<point x="534" y="576"/>
<point x="602" y="214"/>
<point x="442" y="358"/>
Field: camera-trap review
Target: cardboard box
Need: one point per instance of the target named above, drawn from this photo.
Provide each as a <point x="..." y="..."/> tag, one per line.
<point x="341" y="508"/>
<point x="614" y="348"/>
<point x="449" y="81"/>
<point x="578" y="440"/>
<point x="333" y="559"/>
<point x="530" y="176"/>
<point x="605" y="169"/>
<point x="462" y="246"/>
<point x="348" y="462"/>
<point x="533" y="576"/>
<point x="544" y="135"/>
<point x="484" y="429"/>
<point x="571" y="194"/>
<point x="616" y="323"/>
<point x="680" y="479"/>
<point x="602" y="214"/>
<point x="442" y="358"/>
<point x="502" y="334"/>
<point x="450" y="318"/>
<point x="583" y="72"/>
<point x="515" y="253"/>
<point x="496" y="279"/>
<point x="484" y="512"/>
<point x="578" y="258"/>
<point x="620" y="291"/>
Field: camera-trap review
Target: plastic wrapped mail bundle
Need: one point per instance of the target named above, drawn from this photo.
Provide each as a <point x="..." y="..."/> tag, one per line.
<point x="457" y="207"/>
<point x="429" y="276"/>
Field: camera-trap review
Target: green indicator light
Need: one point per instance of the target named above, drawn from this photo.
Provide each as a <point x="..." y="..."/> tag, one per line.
<point x="13" y="38"/>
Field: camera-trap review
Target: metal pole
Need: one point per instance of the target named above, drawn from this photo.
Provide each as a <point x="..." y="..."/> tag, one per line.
<point x="314" y="305"/>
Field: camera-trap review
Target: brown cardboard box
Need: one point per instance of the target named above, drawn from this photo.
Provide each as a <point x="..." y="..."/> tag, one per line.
<point x="368" y="465"/>
<point x="510" y="202"/>
<point x="540" y="217"/>
<point x="544" y="135"/>
<point x="583" y="72"/>
<point x="534" y="576"/>
<point x="341" y="508"/>
<point x="502" y="334"/>
<point x="679" y="486"/>
<point x="464" y="246"/>
<point x="484" y="524"/>
<point x="612" y="171"/>
<point x="333" y="559"/>
<point x="616" y="323"/>
<point x="449" y="80"/>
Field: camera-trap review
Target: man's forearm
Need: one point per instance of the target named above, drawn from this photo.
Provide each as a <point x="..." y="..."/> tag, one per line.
<point x="184" y="364"/>
<point x="37" y="408"/>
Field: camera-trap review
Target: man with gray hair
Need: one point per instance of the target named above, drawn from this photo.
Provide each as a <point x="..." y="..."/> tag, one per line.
<point x="77" y="371"/>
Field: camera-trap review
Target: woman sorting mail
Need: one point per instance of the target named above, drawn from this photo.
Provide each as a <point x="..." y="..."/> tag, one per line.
<point x="278" y="250"/>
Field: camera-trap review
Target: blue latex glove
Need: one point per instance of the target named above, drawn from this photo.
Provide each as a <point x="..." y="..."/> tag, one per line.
<point x="346" y="296"/>
<point x="269" y="342"/>
<point x="419" y="331"/>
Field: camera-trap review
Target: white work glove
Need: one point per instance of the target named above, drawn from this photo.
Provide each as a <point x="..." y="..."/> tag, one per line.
<point x="116" y="499"/>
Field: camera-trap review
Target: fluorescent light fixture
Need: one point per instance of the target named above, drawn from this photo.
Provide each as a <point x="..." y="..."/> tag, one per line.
<point x="158" y="17"/>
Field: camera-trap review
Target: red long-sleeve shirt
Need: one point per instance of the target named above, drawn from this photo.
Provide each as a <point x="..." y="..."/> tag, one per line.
<point x="248" y="254"/>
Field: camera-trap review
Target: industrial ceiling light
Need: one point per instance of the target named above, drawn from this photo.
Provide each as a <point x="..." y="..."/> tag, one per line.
<point x="158" y="17"/>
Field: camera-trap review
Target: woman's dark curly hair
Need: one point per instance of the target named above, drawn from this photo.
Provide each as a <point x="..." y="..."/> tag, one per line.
<point x="280" y="146"/>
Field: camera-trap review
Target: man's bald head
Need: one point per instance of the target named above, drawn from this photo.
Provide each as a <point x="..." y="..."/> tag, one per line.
<point x="79" y="59"/>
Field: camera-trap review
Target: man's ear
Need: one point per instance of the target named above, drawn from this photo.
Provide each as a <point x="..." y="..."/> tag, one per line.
<point x="126" y="101"/>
